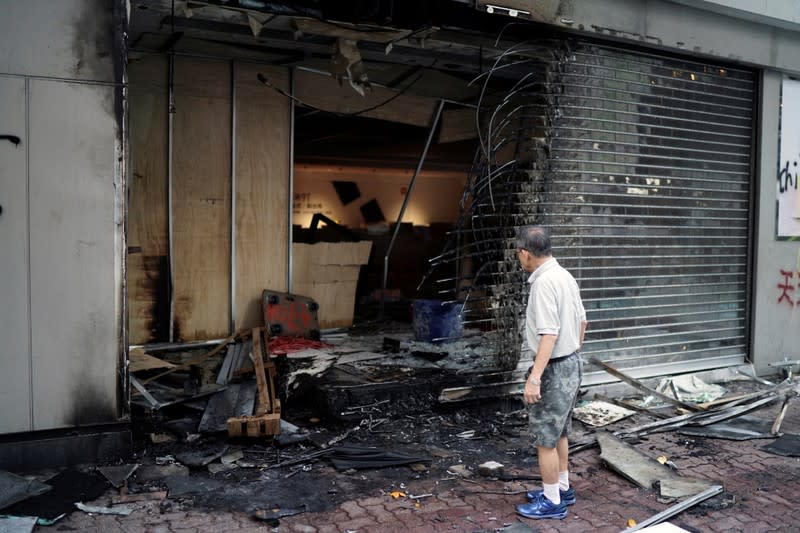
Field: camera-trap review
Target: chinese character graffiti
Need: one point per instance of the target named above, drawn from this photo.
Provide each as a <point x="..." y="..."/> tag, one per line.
<point x="787" y="287"/>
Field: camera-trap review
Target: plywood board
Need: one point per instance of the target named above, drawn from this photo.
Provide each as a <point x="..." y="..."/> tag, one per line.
<point x="201" y="199"/>
<point x="328" y="273"/>
<point x="334" y="253"/>
<point x="148" y="241"/>
<point x="336" y="301"/>
<point x="262" y="189"/>
<point x="141" y="360"/>
<point x="325" y="93"/>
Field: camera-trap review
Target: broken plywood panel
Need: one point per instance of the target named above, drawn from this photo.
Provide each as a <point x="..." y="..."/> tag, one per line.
<point x="201" y="199"/>
<point x="262" y="189"/>
<point x="644" y="470"/>
<point x="140" y="360"/>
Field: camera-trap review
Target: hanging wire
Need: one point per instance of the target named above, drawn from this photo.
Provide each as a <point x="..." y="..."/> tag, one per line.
<point x="478" y="265"/>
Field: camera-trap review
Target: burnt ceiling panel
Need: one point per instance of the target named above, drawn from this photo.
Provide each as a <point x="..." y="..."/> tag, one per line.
<point x="434" y="50"/>
<point x="442" y="36"/>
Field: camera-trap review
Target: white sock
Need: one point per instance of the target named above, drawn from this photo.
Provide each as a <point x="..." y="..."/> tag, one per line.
<point x="551" y="492"/>
<point x="563" y="480"/>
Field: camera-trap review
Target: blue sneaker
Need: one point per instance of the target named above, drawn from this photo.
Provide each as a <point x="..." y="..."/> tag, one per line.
<point x="567" y="496"/>
<point x="541" y="507"/>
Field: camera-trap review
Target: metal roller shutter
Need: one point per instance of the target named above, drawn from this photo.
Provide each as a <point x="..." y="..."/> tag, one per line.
<point x="641" y="164"/>
<point x="649" y="194"/>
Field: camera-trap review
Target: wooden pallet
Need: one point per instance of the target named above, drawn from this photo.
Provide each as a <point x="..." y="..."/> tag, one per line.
<point x="266" y="421"/>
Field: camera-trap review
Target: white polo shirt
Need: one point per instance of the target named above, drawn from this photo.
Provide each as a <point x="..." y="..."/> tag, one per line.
<point x="554" y="308"/>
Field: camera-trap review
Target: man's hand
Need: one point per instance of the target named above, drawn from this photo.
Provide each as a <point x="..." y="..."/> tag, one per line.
<point x="533" y="393"/>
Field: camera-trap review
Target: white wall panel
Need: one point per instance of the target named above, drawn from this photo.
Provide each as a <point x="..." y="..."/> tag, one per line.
<point x="776" y="318"/>
<point x="73" y="259"/>
<point x="60" y="39"/>
<point x="15" y="357"/>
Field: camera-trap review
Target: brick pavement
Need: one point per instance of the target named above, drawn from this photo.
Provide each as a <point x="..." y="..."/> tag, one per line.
<point x="760" y="491"/>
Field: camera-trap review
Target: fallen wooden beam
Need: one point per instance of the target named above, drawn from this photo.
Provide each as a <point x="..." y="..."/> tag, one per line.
<point x="266" y="420"/>
<point x="776" y="426"/>
<point x="641" y="386"/>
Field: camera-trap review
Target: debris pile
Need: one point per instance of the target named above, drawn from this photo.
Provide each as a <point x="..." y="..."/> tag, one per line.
<point x="391" y="417"/>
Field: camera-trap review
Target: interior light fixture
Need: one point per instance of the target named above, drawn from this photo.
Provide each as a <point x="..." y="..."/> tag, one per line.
<point x="510" y="11"/>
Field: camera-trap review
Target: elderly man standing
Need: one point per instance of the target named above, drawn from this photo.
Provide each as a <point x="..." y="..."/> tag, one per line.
<point x="555" y="324"/>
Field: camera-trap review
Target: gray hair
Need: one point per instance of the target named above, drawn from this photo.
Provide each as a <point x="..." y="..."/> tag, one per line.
<point x="535" y="239"/>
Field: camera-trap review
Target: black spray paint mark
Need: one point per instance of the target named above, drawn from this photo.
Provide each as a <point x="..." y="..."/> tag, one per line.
<point x="11" y="138"/>
<point x="786" y="179"/>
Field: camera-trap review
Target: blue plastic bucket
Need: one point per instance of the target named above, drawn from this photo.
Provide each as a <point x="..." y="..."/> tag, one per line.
<point x="435" y="321"/>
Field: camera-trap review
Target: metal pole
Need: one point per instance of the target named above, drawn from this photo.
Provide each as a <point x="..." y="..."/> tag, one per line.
<point x="291" y="182"/>
<point x="437" y="115"/>
<point x="28" y="249"/>
<point x="232" y="301"/>
<point x="170" y="143"/>
<point x="677" y="508"/>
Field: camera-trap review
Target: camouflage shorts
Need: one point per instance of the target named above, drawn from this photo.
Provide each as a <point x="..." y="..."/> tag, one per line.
<point x="550" y="418"/>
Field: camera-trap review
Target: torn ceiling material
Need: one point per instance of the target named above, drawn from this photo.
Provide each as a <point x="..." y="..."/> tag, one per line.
<point x="389" y="54"/>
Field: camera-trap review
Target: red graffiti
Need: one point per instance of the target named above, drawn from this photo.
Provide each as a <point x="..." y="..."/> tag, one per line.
<point x="786" y="286"/>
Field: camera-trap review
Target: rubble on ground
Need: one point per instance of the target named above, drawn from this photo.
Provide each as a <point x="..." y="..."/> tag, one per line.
<point x="384" y="422"/>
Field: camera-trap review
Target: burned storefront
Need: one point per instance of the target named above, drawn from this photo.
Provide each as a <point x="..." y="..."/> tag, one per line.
<point x="642" y="162"/>
<point x="311" y="210"/>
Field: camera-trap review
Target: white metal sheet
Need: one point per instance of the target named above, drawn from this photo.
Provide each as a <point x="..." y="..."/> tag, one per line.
<point x="788" y="175"/>
<point x="75" y="334"/>
<point x="64" y="39"/>
<point x="15" y="354"/>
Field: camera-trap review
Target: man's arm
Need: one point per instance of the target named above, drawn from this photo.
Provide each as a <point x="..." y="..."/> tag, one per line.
<point x="584" y="324"/>
<point x="533" y="388"/>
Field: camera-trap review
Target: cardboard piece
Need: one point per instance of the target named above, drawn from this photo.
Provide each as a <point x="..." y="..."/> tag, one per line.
<point x="328" y="273"/>
<point x="599" y="413"/>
